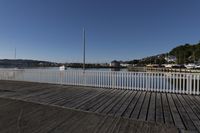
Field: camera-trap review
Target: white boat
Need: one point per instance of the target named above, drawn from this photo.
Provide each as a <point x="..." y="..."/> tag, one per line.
<point x="152" y="65"/>
<point x="197" y="66"/>
<point x="168" y="65"/>
<point x="62" y="68"/>
<point x="190" y="66"/>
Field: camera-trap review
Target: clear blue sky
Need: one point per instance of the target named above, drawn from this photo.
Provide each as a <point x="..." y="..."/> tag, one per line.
<point x="115" y="29"/>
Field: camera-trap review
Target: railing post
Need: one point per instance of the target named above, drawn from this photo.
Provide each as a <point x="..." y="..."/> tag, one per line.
<point x="181" y="83"/>
<point x="170" y="83"/>
<point x="190" y="84"/>
<point x="194" y="84"/>
<point x="187" y="84"/>
<point x="60" y="77"/>
<point x="198" y="87"/>
<point x="184" y="78"/>
<point x="174" y="83"/>
<point x="112" y="75"/>
<point x="84" y="78"/>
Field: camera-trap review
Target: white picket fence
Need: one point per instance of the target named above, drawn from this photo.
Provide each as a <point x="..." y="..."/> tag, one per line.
<point x="184" y="83"/>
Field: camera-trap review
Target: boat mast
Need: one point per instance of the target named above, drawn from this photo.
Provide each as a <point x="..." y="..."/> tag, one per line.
<point x="83" y="49"/>
<point x="15" y="54"/>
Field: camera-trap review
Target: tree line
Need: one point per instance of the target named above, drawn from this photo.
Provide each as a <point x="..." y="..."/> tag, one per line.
<point x="188" y="53"/>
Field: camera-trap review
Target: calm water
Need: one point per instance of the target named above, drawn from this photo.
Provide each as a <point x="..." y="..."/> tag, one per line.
<point x="89" y="69"/>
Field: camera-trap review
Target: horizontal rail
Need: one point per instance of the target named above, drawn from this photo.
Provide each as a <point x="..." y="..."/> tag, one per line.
<point x="184" y="83"/>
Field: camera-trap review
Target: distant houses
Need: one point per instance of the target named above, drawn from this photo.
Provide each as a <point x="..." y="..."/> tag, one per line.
<point x="171" y="58"/>
<point x="124" y="65"/>
<point x="115" y="64"/>
<point x="119" y="64"/>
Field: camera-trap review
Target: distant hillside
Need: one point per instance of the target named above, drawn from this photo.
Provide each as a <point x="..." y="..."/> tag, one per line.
<point x="11" y="63"/>
<point x="156" y="59"/>
<point x="186" y="53"/>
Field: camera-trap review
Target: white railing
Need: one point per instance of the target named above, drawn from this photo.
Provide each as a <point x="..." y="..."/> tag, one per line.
<point x="185" y="83"/>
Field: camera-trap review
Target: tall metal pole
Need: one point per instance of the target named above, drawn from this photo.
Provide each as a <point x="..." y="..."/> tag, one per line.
<point x="15" y="54"/>
<point x="83" y="49"/>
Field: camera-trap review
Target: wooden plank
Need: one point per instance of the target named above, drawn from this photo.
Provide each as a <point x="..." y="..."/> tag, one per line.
<point x="193" y="105"/>
<point x="45" y="95"/>
<point x="176" y="116"/>
<point x="133" y="127"/>
<point x="63" y="126"/>
<point x="142" y="128"/>
<point x="20" y="93"/>
<point x="130" y="108"/>
<point x="151" y="113"/>
<point x="60" y="95"/>
<point x="196" y="99"/>
<point x="118" y="125"/>
<point x="123" y="126"/>
<point x="90" y="99"/>
<point x="193" y="101"/>
<point x="8" y="94"/>
<point x="37" y="94"/>
<point x="44" y="98"/>
<point x="33" y="88"/>
<point x="76" y="124"/>
<point x="69" y="98"/>
<point x="5" y="102"/>
<point x="159" y="109"/>
<point x="114" y="125"/>
<point x="103" y="101"/>
<point x="86" y="99"/>
<point x="97" y="103"/>
<point x="94" y="101"/>
<point x="74" y="101"/>
<point x="185" y="118"/>
<point x="105" y="126"/>
<point x="82" y="125"/>
<point x="100" y="124"/>
<point x="107" y="106"/>
<point x="30" y="115"/>
<point x="144" y="109"/>
<point x="64" y="97"/>
<point x="194" y="117"/>
<point x="126" y="104"/>
<point x="10" y="113"/>
<point x="137" y="109"/>
<point x="14" y="87"/>
<point x="57" y="95"/>
<point x="115" y="104"/>
<point x="109" y="127"/>
<point x="166" y="110"/>
<point x="119" y="102"/>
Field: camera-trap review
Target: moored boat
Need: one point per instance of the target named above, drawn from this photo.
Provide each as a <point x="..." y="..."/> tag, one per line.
<point x="62" y="68"/>
<point x="190" y="66"/>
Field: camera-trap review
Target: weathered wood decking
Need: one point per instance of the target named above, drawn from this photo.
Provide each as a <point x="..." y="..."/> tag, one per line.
<point x="182" y="111"/>
<point x="25" y="117"/>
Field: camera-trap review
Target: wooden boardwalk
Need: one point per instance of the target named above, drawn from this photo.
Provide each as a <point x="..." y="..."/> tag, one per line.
<point x="25" y="117"/>
<point x="181" y="111"/>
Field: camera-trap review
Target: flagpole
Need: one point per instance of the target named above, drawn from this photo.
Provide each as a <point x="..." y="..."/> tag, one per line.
<point x="15" y="56"/>
<point x="83" y="49"/>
